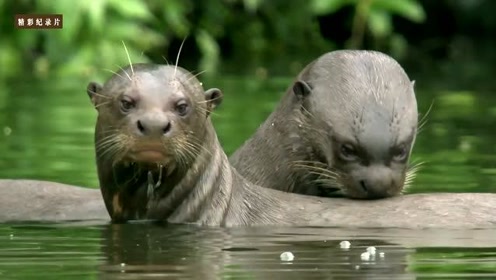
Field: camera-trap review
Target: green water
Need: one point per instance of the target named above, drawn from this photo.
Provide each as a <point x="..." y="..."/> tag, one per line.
<point x="46" y="132"/>
<point x="144" y="251"/>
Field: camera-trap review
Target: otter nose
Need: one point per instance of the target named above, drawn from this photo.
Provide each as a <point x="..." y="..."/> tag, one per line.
<point x="378" y="183"/>
<point x="153" y="125"/>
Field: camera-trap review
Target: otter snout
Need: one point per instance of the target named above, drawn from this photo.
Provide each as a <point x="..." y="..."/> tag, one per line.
<point x="153" y="125"/>
<point x="374" y="188"/>
<point x="376" y="182"/>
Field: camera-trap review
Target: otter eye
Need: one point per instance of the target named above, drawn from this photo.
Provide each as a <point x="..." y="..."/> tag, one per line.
<point x="400" y="153"/>
<point x="348" y="152"/>
<point x="182" y="108"/>
<point x="126" y="104"/>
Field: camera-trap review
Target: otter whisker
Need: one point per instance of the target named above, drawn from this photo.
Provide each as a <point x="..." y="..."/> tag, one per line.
<point x="111" y="133"/>
<point x="411" y="174"/>
<point x="415" y="166"/>
<point x="323" y="175"/>
<point x="177" y="57"/>
<point x="206" y="101"/>
<point x="189" y="153"/>
<point x="197" y="143"/>
<point x="124" y="71"/>
<point x="128" y="58"/>
<point x="310" y="162"/>
<point x="196" y="75"/>
<point x="109" y="150"/>
<point x="101" y="95"/>
<point x="206" y="111"/>
<point x="306" y="112"/>
<point x="103" y="104"/>
<point x="180" y="154"/>
<point x="166" y="61"/>
<point x="108" y="138"/>
<point x="330" y="183"/>
<point x="316" y="169"/>
<point x="106" y="142"/>
<point x="113" y="72"/>
<point x="423" y="120"/>
<point x="180" y="158"/>
<point x="303" y="124"/>
<point x="111" y="146"/>
<point x="195" y="148"/>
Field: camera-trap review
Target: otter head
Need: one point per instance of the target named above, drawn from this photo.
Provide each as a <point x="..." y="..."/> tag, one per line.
<point x="150" y="118"/>
<point x="365" y="106"/>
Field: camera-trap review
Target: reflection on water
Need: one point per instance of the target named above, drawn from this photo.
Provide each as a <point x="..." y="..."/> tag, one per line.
<point x="46" y="132"/>
<point x="146" y="251"/>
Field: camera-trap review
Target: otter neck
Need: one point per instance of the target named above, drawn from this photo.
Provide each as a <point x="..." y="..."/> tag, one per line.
<point x="276" y="163"/>
<point x="202" y="195"/>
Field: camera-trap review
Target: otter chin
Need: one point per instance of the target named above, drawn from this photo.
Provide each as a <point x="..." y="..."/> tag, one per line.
<point x="148" y="154"/>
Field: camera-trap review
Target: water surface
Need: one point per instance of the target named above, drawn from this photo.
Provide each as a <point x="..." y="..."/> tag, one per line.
<point x="151" y="251"/>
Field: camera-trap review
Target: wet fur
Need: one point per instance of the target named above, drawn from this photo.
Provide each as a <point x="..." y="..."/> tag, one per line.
<point x="210" y="192"/>
<point x="292" y="150"/>
<point x="215" y="194"/>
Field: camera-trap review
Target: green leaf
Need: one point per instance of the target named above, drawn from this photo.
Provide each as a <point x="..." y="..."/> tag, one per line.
<point x="380" y="23"/>
<point x="252" y="5"/>
<point x="210" y="52"/>
<point x="9" y="60"/>
<point x="123" y="30"/>
<point x="131" y="8"/>
<point x="175" y="15"/>
<point x="96" y="13"/>
<point x="410" y="9"/>
<point x="323" y="7"/>
<point x="72" y="12"/>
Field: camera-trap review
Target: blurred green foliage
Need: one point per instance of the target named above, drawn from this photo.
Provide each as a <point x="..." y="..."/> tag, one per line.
<point x="375" y="17"/>
<point x="248" y="32"/>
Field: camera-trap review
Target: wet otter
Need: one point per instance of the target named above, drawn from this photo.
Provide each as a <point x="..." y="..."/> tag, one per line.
<point x="347" y="123"/>
<point x="34" y="200"/>
<point x="158" y="157"/>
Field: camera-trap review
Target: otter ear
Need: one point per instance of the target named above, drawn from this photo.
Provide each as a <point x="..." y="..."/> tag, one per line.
<point x="301" y="89"/>
<point x="214" y="98"/>
<point x="93" y="90"/>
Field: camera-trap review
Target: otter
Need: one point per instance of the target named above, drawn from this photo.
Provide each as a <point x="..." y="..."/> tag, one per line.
<point x="35" y="200"/>
<point x="347" y="124"/>
<point x="159" y="158"/>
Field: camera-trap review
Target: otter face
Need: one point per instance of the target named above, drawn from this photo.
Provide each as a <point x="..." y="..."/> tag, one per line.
<point x="370" y="170"/>
<point x="152" y="115"/>
<point x="362" y="128"/>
